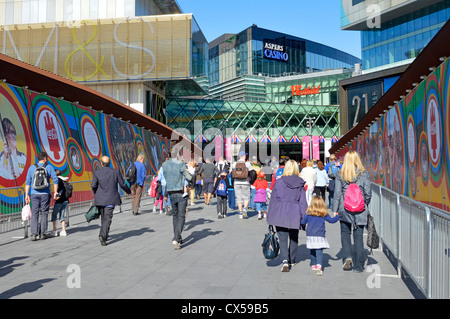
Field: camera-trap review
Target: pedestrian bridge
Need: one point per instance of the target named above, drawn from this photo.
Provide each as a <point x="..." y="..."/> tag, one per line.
<point x="223" y="258"/>
<point x="402" y="141"/>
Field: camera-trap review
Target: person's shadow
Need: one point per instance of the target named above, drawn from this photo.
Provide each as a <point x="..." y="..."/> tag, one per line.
<point x="31" y="286"/>
<point x="131" y="233"/>
<point x="192" y="223"/>
<point x="198" y="235"/>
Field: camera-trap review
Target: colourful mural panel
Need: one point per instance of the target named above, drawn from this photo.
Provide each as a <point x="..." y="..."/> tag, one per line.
<point x="74" y="137"/>
<point x="407" y="148"/>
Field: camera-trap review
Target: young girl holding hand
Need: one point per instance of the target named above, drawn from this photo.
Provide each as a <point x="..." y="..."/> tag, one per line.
<point x="315" y="217"/>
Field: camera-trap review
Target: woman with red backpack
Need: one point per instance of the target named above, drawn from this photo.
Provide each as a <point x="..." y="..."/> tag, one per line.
<point x="352" y="196"/>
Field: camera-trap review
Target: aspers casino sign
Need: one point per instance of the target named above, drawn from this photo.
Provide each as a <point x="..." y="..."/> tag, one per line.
<point x="275" y="52"/>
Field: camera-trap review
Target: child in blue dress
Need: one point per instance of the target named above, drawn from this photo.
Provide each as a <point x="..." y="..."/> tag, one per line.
<point x="315" y="218"/>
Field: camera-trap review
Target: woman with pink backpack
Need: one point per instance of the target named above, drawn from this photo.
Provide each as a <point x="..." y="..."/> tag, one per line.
<point x="352" y="196"/>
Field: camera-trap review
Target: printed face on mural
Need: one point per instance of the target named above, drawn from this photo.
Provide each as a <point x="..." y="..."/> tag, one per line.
<point x="12" y="159"/>
<point x="13" y="147"/>
<point x="433" y="130"/>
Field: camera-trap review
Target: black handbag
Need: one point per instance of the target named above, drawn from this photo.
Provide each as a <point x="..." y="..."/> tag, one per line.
<point x="373" y="240"/>
<point x="270" y="245"/>
<point x="92" y="213"/>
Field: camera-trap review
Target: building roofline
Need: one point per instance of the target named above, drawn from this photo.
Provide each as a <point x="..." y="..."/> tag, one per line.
<point x="21" y="74"/>
<point x="168" y="6"/>
<point x="430" y="56"/>
<point x="391" y="13"/>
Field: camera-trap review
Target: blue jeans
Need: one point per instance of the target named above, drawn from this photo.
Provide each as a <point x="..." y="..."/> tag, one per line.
<point x="358" y="257"/>
<point x="251" y="204"/>
<point x="231" y="199"/>
<point x="316" y="256"/>
<point x="261" y="207"/>
<point x="178" y="214"/>
<point x="39" y="203"/>
<point x="330" y="199"/>
<point x="61" y="209"/>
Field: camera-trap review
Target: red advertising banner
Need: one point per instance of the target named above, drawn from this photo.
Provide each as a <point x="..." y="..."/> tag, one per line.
<point x="305" y="140"/>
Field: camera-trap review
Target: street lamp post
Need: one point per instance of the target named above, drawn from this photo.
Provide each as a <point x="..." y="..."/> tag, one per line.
<point x="310" y="121"/>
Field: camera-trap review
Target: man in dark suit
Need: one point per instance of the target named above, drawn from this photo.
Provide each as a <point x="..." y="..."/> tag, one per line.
<point x="104" y="186"/>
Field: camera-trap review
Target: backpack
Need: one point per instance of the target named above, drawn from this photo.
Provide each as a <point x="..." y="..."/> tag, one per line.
<point x="40" y="178"/>
<point x="153" y="192"/>
<point x="353" y="199"/>
<point x="279" y="172"/>
<point x="332" y="170"/>
<point x="68" y="189"/>
<point x="240" y="171"/>
<point x="131" y="174"/>
<point x="222" y="188"/>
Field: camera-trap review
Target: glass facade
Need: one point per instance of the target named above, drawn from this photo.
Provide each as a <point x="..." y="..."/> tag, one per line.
<point x="245" y="54"/>
<point x="256" y="118"/>
<point x="288" y="102"/>
<point x="144" y="48"/>
<point x="37" y="11"/>
<point x="404" y="37"/>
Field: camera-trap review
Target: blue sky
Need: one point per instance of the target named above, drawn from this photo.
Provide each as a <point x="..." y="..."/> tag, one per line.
<point x="313" y="20"/>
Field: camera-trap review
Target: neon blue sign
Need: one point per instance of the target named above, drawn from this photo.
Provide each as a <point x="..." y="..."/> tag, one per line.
<point x="275" y="52"/>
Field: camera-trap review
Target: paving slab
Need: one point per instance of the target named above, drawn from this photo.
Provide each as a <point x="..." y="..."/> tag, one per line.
<point x="219" y="259"/>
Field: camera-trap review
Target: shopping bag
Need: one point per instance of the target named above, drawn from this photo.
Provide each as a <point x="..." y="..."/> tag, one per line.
<point x="92" y="214"/>
<point x="270" y="245"/>
<point x="373" y="240"/>
<point x="26" y="212"/>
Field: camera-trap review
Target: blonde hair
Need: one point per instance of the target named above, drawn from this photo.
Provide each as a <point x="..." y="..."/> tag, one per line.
<point x="291" y="168"/>
<point x="310" y="163"/>
<point x="140" y="157"/>
<point x="352" y="162"/>
<point x="317" y="207"/>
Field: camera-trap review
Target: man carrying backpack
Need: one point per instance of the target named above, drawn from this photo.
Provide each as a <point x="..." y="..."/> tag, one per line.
<point x="37" y="191"/>
<point x="136" y="178"/>
<point x="241" y="184"/>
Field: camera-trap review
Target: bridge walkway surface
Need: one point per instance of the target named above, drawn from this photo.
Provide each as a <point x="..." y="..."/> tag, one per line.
<point x="219" y="259"/>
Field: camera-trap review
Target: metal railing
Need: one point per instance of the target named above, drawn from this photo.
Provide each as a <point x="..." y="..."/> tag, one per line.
<point x="418" y="237"/>
<point x="12" y="200"/>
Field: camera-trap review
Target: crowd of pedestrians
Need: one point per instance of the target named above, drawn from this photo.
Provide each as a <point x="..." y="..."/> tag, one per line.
<point x="290" y="195"/>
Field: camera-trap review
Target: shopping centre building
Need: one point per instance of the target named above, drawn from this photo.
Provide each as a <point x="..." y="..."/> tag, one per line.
<point x="266" y="86"/>
<point x="149" y="55"/>
<point x="133" y="51"/>
<point x="393" y="34"/>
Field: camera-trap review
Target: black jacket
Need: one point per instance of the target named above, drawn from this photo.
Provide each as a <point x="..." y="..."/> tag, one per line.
<point x="104" y="186"/>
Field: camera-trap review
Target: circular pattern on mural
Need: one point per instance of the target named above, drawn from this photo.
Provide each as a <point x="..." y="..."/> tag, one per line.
<point x="90" y="136"/>
<point x="15" y="152"/>
<point x="50" y="134"/>
<point x="75" y="156"/>
<point x="96" y="164"/>
<point x="424" y="158"/>
<point x="433" y="128"/>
